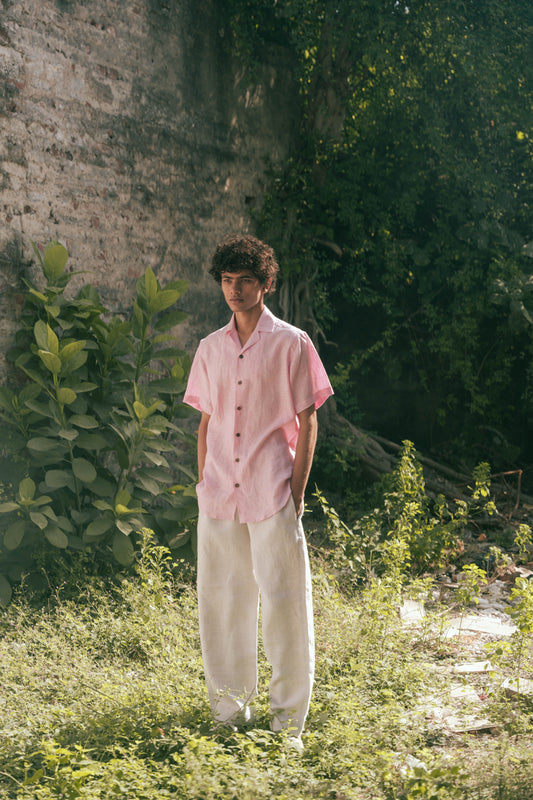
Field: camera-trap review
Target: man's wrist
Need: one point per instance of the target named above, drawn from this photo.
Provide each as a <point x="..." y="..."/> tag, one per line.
<point x="298" y="499"/>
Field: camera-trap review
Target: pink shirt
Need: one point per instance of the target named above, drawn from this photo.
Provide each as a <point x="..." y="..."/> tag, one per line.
<point x="253" y="395"/>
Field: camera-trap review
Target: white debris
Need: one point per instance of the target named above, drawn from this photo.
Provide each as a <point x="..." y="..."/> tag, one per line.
<point x="412" y="611"/>
<point x="519" y="686"/>
<point x="473" y="666"/>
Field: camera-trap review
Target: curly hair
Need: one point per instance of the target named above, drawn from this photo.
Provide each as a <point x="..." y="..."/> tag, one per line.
<point x="238" y="252"/>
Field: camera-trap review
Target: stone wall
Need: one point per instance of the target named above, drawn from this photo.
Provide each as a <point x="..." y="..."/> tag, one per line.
<point x="128" y="133"/>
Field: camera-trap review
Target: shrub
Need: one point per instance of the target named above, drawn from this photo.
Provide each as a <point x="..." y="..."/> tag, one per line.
<point x="90" y="442"/>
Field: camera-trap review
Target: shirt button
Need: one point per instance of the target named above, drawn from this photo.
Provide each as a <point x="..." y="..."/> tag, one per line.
<point x="239" y="383"/>
<point x="237" y="485"/>
<point x="237" y="434"/>
<point x="239" y="408"/>
<point x="241" y="356"/>
<point x="237" y="459"/>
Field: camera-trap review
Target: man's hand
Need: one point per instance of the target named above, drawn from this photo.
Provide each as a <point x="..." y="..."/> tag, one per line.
<point x="303" y="459"/>
<point x="202" y="444"/>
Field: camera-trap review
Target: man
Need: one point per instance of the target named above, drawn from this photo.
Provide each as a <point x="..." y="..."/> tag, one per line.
<point x="257" y="382"/>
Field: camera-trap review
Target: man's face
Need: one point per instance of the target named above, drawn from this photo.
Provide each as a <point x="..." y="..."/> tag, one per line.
<point x="242" y="290"/>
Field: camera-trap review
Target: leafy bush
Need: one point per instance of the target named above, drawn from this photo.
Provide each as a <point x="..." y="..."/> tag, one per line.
<point x="407" y="532"/>
<point x="90" y="442"/>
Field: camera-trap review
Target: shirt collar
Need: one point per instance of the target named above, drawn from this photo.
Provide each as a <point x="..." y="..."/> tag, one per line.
<point x="264" y="323"/>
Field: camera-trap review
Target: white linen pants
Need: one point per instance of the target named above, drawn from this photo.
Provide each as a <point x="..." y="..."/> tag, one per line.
<point x="238" y="564"/>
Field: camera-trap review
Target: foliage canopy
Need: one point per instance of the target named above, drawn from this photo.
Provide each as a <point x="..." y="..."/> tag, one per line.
<point x="405" y="210"/>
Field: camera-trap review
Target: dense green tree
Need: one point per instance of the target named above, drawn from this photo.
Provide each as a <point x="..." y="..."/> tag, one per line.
<point x="403" y="218"/>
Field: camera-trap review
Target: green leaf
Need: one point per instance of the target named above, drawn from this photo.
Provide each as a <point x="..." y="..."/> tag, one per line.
<point x="68" y="433"/>
<point x="162" y="337"/>
<point x="159" y="475"/>
<point x="41" y="444"/>
<point x="56" y="537"/>
<point x="84" y="421"/>
<point x="14" y="535"/>
<point x="167" y="385"/>
<point x="159" y="444"/>
<point x="123" y="549"/>
<point x="102" y="505"/>
<point x="55" y="260"/>
<point x="139" y="316"/>
<point x="26" y="489"/>
<point x="140" y="410"/>
<point x="37" y="253"/>
<point x="28" y="393"/>
<point x="42" y="500"/>
<point x="163" y="300"/>
<point x="143" y="412"/>
<point x="38" y="295"/>
<point x="83" y="470"/>
<point x="158" y="460"/>
<point x="151" y="287"/>
<point x="99" y="526"/>
<point x="54" y="311"/>
<point x="81" y="517"/>
<point x="169" y="353"/>
<point x="102" y="487"/>
<point x="39" y="519"/>
<point x="149" y="485"/>
<point x="124" y="527"/>
<point x="5" y="591"/>
<point x="168" y="321"/>
<point x="40" y="332"/>
<point x="53" y="341"/>
<point x="123" y="497"/>
<point x="180" y="286"/>
<point x="174" y="514"/>
<point x="75" y="362"/>
<point x="58" y="478"/>
<point x="41" y="408"/>
<point x="82" y="386"/>
<point x="5" y="508"/>
<point x="91" y="441"/>
<point x="51" y="361"/>
<point x="65" y="524"/>
<point x="70" y="350"/>
<point x="66" y="396"/>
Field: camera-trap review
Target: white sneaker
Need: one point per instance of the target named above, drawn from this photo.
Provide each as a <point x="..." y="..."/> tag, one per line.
<point x="295" y="743"/>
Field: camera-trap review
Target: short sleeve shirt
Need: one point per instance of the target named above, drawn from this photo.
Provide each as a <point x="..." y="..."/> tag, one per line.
<point x="253" y="394"/>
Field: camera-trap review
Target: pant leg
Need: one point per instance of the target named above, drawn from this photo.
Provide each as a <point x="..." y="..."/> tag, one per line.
<point x="281" y="566"/>
<point x="228" y="613"/>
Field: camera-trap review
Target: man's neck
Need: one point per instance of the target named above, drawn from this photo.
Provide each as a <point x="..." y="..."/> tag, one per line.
<point x="246" y="322"/>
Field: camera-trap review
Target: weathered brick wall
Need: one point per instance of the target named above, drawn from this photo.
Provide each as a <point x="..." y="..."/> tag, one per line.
<point x="127" y="133"/>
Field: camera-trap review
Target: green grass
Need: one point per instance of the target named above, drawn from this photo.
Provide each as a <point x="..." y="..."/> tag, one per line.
<point x="103" y="697"/>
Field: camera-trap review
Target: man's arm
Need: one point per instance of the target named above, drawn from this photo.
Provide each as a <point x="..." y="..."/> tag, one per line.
<point x="202" y="444"/>
<point x="305" y="449"/>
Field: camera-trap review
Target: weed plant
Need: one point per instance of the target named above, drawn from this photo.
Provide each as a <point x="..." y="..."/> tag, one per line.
<point x="104" y="697"/>
<point x="407" y="533"/>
